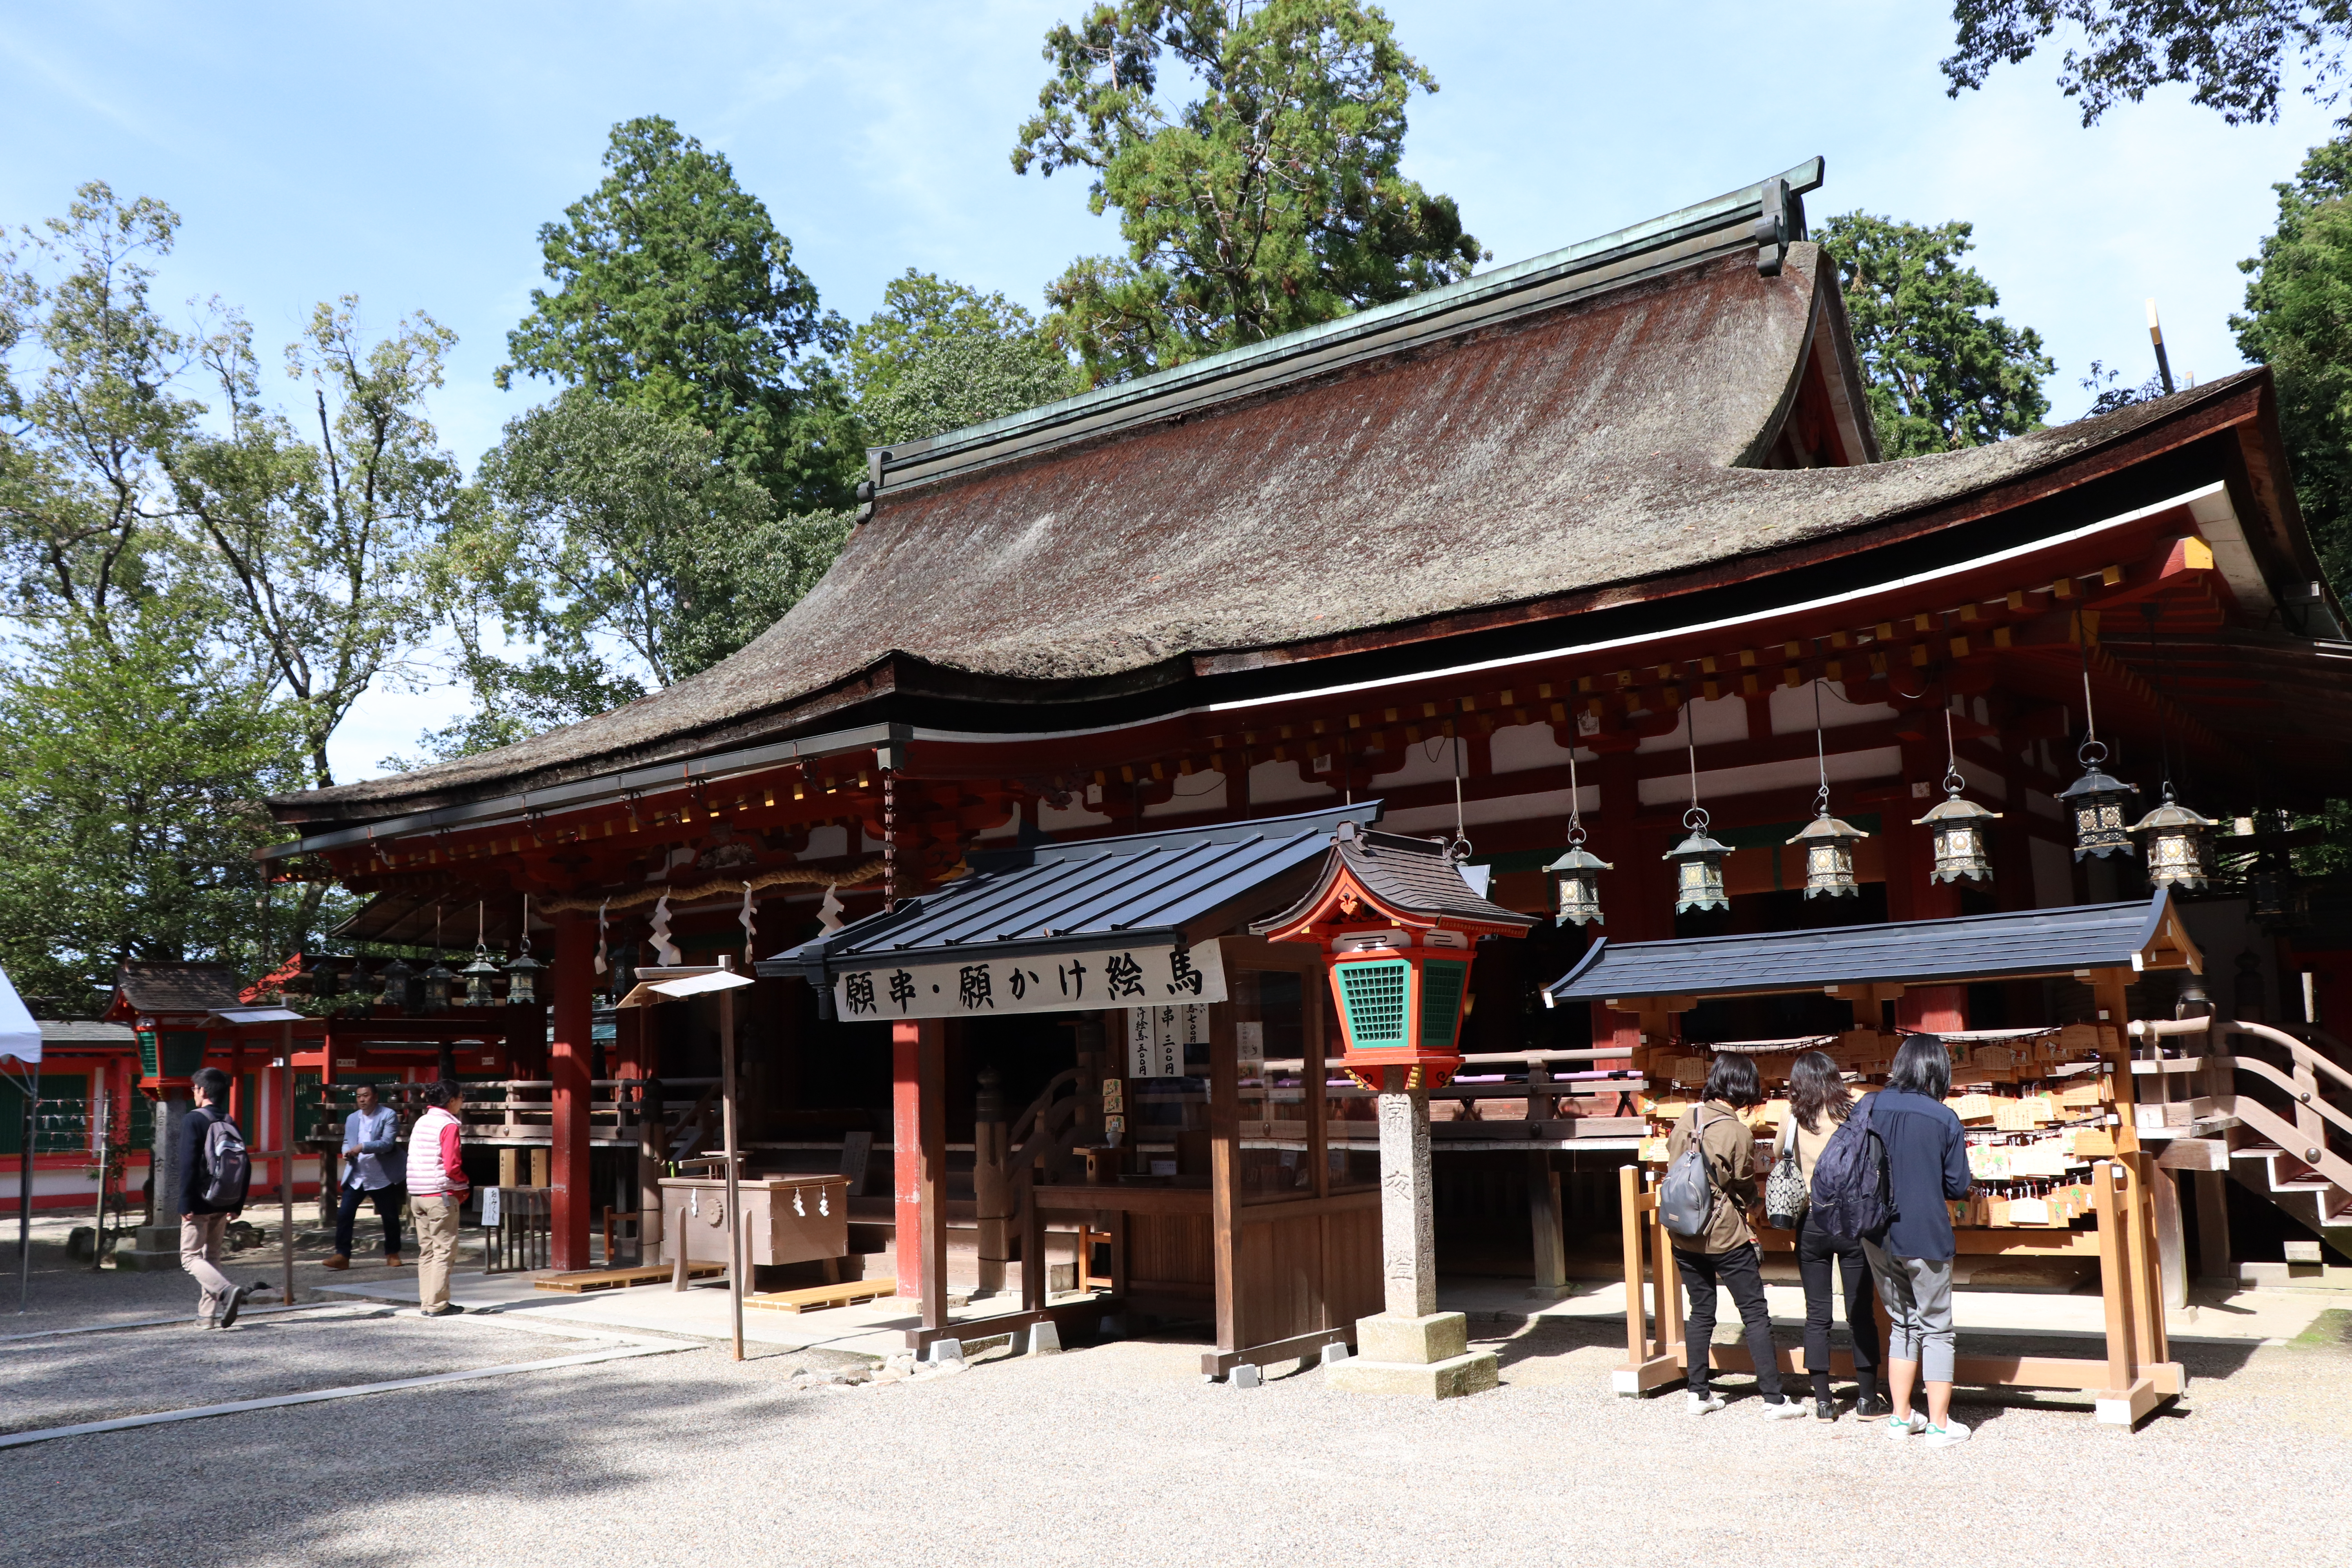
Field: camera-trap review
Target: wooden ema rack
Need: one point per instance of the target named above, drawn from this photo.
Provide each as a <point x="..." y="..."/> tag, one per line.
<point x="2136" y="1374"/>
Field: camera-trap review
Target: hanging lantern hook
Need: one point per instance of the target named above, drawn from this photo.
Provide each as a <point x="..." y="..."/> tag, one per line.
<point x="1696" y="818"/>
<point x="1953" y="784"/>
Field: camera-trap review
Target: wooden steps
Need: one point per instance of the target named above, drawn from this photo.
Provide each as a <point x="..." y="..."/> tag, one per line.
<point x="817" y="1297"/>
<point x="621" y="1278"/>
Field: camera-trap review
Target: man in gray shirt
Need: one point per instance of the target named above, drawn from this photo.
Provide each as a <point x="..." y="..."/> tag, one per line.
<point x="371" y="1169"/>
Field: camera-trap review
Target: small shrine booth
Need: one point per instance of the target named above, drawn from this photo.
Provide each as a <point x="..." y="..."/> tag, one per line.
<point x="1196" y="1148"/>
<point x="2054" y="1140"/>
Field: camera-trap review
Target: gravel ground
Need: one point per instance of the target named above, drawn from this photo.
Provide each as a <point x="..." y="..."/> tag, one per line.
<point x="64" y="1293"/>
<point x="1120" y="1453"/>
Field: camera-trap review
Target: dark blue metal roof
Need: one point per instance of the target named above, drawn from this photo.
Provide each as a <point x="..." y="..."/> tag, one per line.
<point x="2015" y="944"/>
<point x="1183" y="886"/>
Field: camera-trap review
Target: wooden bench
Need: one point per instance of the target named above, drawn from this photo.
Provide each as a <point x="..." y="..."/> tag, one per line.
<point x="817" y="1297"/>
<point x="620" y="1279"/>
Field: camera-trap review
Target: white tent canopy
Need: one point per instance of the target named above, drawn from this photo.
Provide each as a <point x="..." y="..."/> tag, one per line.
<point x="19" y="1037"/>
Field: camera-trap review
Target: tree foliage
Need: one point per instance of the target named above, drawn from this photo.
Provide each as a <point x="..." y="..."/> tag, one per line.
<point x="1942" y="373"/>
<point x="2299" y="322"/>
<point x="1271" y="200"/>
<point x="940" y="356"/>
<point x="2232" y="54"/>
<point x="622" y="550"/>
<point x="676" y="292"/>
<point x="197" y="595"/>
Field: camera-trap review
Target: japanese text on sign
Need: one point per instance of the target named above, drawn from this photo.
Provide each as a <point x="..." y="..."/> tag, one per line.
<point x="1133" y="977"/>
<point x="1157" y="1039"/>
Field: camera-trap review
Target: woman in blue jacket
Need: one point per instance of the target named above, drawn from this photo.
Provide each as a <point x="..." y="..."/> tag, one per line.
<point x="1927" y="1163"/>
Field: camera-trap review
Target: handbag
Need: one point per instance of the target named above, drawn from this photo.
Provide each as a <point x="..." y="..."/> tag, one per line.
<point x="1785" y="1193"/>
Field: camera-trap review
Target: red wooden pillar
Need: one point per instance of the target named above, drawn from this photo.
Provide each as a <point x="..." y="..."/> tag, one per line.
<point x="918" y="1162"/>
<point x="1912" y="896"/>
<point x="571" y="976"/>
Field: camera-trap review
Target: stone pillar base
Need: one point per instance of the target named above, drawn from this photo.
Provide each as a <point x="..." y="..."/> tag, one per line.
<point x="153" y="1247"/>
<point x="1428" y="1357"/>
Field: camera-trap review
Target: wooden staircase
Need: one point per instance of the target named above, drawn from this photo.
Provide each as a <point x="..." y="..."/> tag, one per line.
<point x="2279" y="1098"/>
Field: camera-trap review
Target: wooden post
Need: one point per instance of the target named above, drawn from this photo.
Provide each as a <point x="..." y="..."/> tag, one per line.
<point x="1224" y="1174"/>
<point x="2214" y="1264"/>
<point x="1543" y="1214"/>
<point x="1628" y="1198"/>
<point x="734" y="1177"/>
<point x="918" y="1162"/>
<point x="2115" y="1271"/>
<point x="2171" y="1245"/>
<point x="573" y="980"/>
<point x="991" y="1187"/>
<point x="286" y="1159"/>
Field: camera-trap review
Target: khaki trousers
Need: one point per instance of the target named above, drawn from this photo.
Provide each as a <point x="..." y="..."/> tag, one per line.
<point x="436" y="1245"/>
<point x="200" y="1240"/>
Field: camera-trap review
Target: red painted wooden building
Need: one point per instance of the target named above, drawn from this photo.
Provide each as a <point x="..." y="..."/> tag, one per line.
<point x="1613" y="515"/>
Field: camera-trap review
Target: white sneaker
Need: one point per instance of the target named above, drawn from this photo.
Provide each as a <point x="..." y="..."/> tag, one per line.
<point x="1945" y="1435"/>
<point x="1898" y="1428"/>
<point x="1700" y="1404"/>
<point x="1787" y="1410"/>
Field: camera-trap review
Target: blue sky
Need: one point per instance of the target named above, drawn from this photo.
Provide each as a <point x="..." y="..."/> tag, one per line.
<point x="409" y="155"/>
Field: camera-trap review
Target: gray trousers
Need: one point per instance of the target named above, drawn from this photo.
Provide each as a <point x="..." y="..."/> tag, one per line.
<point x="1918" y="1296"/>
<point x="200" y="1239"/>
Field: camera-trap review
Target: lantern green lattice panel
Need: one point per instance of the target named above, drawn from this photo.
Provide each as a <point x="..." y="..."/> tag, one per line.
<point x="1373" y="995"/>
<point x="150" y="1064"/>
<point x="1441" y="1002"/>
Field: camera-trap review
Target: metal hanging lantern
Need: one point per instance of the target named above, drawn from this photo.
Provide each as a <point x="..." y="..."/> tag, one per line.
<point x="478" y="976"/>
<point x="398" y="983"/>
<point x="1956" y="827"/>
<point x="1698" y="859"/>
<point x="1829" y="855"/>
<point x="1698" y="868"/>
<point x="1576" y="875"/>
<point x="522" y="978"/>
<point x="436" y="981"/>
<point x="2174" y="844"/>
<point x="2095" y="801"/>
<point x="1828" y="841"/>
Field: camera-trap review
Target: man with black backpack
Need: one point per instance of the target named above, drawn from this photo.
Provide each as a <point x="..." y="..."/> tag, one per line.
<point x="214" y="1169"/>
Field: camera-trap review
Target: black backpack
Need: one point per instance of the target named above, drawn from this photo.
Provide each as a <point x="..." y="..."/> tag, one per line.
<point x="228" y="1168"/>
<point x="1852" y="1197"/>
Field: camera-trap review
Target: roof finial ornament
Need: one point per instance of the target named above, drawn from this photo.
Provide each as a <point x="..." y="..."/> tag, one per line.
<point x="1772" y="227"/>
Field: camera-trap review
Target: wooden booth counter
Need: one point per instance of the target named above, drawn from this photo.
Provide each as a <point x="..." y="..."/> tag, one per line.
<point x="2099" y="1196"/>
<point x="785" y="1219"/>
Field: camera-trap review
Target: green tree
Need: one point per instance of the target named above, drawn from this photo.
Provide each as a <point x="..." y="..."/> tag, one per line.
<point x="2232" y="54"/>
<point x="624" y="549"/>
<point x="1270" y="200"/>
<point x="1942" y="371"/>
<point x="2299" y="322"/>
<point x="131" y="773"/>
<point x="675" y="291"/>
<point x="322" y="545"/>
<point x="940" y="356"/>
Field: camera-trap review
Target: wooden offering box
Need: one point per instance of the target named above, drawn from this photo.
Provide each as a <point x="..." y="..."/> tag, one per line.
<point x="786" y="1219"/>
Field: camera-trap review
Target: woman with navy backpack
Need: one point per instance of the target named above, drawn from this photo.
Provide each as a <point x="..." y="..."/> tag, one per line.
<point x="1818" y="1102"/>
<point x="1926" y="1164"/>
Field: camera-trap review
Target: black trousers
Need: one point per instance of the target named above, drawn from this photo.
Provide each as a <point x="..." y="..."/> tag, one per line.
<point x="387" y="1208"/>
<point x="1736" y="1271"/>
<point x="1815" y="1253"/>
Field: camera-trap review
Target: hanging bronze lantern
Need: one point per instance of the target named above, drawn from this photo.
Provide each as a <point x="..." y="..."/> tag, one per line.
<point x="1698" y="859"/>
<point x="1577" y="873"/>
<point x="522" y="979"/>
<point x="478" y="976"/>
<point x="1956" y="829"/>
<point x="1829" y="855"/>
<point x="2175" y="845"/>
<point x="1698" y="868"/>
<point x="399" y="986"/>
<point x="436" y="987"/>
<point x="2098" y="802"/>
